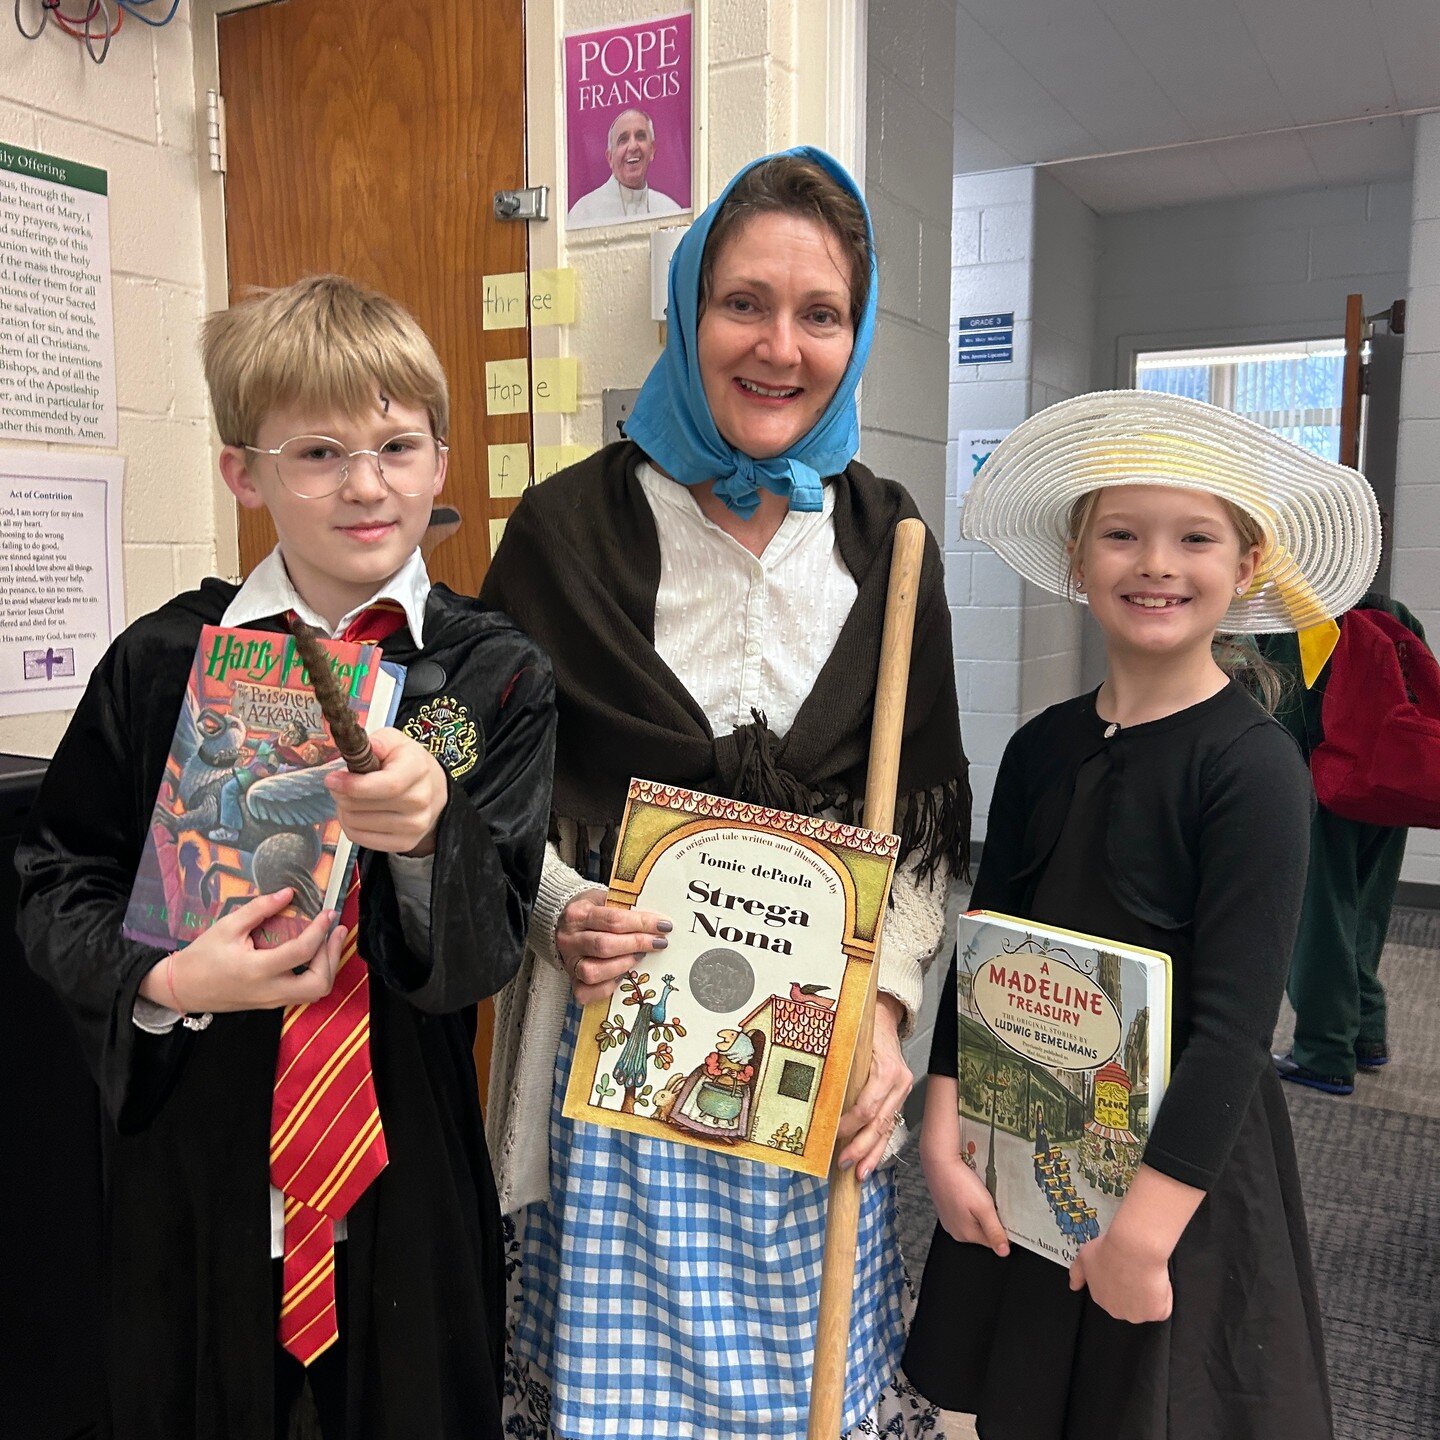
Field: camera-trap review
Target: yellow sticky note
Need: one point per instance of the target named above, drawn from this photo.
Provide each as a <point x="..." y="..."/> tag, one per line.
<point x="552" y="458"/>
<point x="556" y="384"/>
<point x="509" y="467"/>
<point x="505" y="387"/>
<point x="503" y="304"/>
<point x="497" y="529"/>
<point x="552" y="297"/>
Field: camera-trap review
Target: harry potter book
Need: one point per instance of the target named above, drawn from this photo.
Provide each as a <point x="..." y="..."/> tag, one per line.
<point x="739" y="1036"/>
<point x="243" y="809"/>
<point x="1064" y="1054"/>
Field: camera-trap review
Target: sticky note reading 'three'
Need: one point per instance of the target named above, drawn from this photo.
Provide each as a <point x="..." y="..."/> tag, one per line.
<point x="552" y="297"/>
<point x="503" y="303"/>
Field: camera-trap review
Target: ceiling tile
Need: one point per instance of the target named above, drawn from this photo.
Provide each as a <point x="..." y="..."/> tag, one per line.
<point x="1074" y="52"/>
<point x="1409" y="34"/>
<point x="1325" y="55"/>
<point x="1204" y="60"/>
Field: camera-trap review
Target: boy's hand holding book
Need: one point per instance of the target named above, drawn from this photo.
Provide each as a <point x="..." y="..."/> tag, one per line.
<point x="965" y="1207"/>
<point x="224" y="970"/>
<point x="395" y="809"/>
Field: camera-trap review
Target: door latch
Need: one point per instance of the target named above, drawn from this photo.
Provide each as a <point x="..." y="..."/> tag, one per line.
<point x="532" y="203"/>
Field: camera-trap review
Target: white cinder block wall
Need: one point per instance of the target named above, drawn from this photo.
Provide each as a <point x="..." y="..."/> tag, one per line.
<point x="1416" y="570"/>
<point x="134" y="117"/>
<point x="910" y="129"/>
<point x="1022" y="243"/>
<point x="1277" y="267"/>
<point x="910" y="135"/>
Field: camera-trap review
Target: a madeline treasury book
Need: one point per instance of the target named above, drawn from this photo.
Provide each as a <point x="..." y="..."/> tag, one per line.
<point x="739" y="1036"/>
<point x="1064" y="1054"/>
<point x="243" y="809"/>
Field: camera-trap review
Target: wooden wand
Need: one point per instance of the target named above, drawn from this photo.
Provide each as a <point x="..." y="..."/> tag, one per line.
<point x="345" y="730"/>
<point x="837" y="1276"/>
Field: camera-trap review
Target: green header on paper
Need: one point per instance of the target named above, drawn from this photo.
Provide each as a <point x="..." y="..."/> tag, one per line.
<point x="35" y="166"/>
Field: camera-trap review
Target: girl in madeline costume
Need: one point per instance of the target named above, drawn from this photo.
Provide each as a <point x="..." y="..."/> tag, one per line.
<point x="1166" y="809"/>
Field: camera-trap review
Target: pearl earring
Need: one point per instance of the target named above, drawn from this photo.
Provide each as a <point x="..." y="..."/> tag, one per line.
<point x="1239" y="589"/>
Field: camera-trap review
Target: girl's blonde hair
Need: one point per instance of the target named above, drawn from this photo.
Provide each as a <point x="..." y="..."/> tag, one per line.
<point x="324" y="342"/>
<point x="1236" y="655"/>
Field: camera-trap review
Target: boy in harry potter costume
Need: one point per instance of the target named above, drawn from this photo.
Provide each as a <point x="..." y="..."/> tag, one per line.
<point x="231" y="1279"/>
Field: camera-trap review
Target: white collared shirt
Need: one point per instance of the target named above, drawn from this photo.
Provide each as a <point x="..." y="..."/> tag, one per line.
<point x="268" y="591"/>
<point x="741" y="630"/>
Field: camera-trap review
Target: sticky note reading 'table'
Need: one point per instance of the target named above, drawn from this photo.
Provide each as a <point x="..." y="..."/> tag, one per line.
<point x="552" y="297"/>
<point x="497" y="529"/>
<point x="509" y="469"/>
<point x="505" y="387"/>
<point x="503" y="303"/>
<point x="557" y="383"/>
<point x="552" y="458"/>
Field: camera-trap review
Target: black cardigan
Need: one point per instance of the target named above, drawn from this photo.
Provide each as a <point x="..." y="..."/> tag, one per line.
<point x="1206" y="850"/>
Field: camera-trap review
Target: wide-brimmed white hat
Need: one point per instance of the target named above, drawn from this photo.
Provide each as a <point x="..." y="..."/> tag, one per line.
<point x="1320" y="520"/>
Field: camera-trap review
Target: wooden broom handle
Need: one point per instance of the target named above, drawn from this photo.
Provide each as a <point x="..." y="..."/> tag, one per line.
<point x="837" y="1277"/>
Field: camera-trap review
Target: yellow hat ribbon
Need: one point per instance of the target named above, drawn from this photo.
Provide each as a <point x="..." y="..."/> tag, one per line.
<point x="1318" y="638"/>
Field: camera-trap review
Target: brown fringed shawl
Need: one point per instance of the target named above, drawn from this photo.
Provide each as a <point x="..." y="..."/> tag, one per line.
<point x="579" y="570"/>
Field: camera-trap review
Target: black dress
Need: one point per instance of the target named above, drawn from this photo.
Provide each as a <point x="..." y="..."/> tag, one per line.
<point x="1186" y="835"/>
<point x="189" y="1283"/>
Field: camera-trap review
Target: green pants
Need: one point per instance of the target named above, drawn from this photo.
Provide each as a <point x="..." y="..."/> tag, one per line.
<point x="1334" y="972"/>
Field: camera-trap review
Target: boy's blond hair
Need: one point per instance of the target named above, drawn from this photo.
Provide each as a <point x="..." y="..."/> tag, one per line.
<point x="323" y="341"/>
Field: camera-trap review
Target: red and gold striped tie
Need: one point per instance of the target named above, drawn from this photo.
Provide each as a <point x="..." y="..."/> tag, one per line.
<point x="326" y="1141"/>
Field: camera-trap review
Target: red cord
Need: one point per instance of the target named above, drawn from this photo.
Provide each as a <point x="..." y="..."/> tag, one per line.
<point x="68" y="23"/>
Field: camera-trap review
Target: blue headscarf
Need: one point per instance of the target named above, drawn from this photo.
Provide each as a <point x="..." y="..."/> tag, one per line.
<point x="671" y="421"/>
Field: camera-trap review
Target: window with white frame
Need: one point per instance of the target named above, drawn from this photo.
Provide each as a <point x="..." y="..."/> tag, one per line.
<point x="1292" y="388"/>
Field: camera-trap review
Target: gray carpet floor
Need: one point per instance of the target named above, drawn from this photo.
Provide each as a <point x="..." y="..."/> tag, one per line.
<point x="1371" y="1170"/>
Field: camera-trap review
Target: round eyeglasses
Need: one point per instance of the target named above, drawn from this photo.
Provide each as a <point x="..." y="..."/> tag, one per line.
<point x="314" y="466"/>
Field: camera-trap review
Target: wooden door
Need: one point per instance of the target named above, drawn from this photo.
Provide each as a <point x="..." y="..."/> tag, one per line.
<point x="368" y="137"/>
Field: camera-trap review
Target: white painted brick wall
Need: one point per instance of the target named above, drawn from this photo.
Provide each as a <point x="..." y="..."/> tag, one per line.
<point x="134" y="117"/>
<point x="1416" y="561"/>
<point x="909" y="134"/>
<point x="1273" y="268"/>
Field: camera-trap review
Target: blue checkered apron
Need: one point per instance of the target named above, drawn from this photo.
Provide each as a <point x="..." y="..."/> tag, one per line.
<point x="668" y="1290"/>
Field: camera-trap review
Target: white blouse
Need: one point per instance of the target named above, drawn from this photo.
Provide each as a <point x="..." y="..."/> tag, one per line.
<point x="742" y="631"/>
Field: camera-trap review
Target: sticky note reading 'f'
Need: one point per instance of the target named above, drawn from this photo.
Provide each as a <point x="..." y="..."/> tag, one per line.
<point x="509" y="467"/>
<point x="557" y="383"/>
<point x="505" y="387"/>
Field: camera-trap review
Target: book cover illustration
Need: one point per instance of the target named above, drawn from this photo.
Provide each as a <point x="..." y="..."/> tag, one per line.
<point x="739" y="1036"/>
<point x="1064" y="1054"/>
<point x="243" y="809"/>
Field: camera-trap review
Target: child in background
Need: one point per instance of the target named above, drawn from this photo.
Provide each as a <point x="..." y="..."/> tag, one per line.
<point x="1334" y="985"/>
<point x="1168" y="810"/>
<point x="226" y="1293"/>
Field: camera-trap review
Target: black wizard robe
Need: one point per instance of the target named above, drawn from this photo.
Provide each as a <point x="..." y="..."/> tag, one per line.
<point x="190" y="1302"/>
